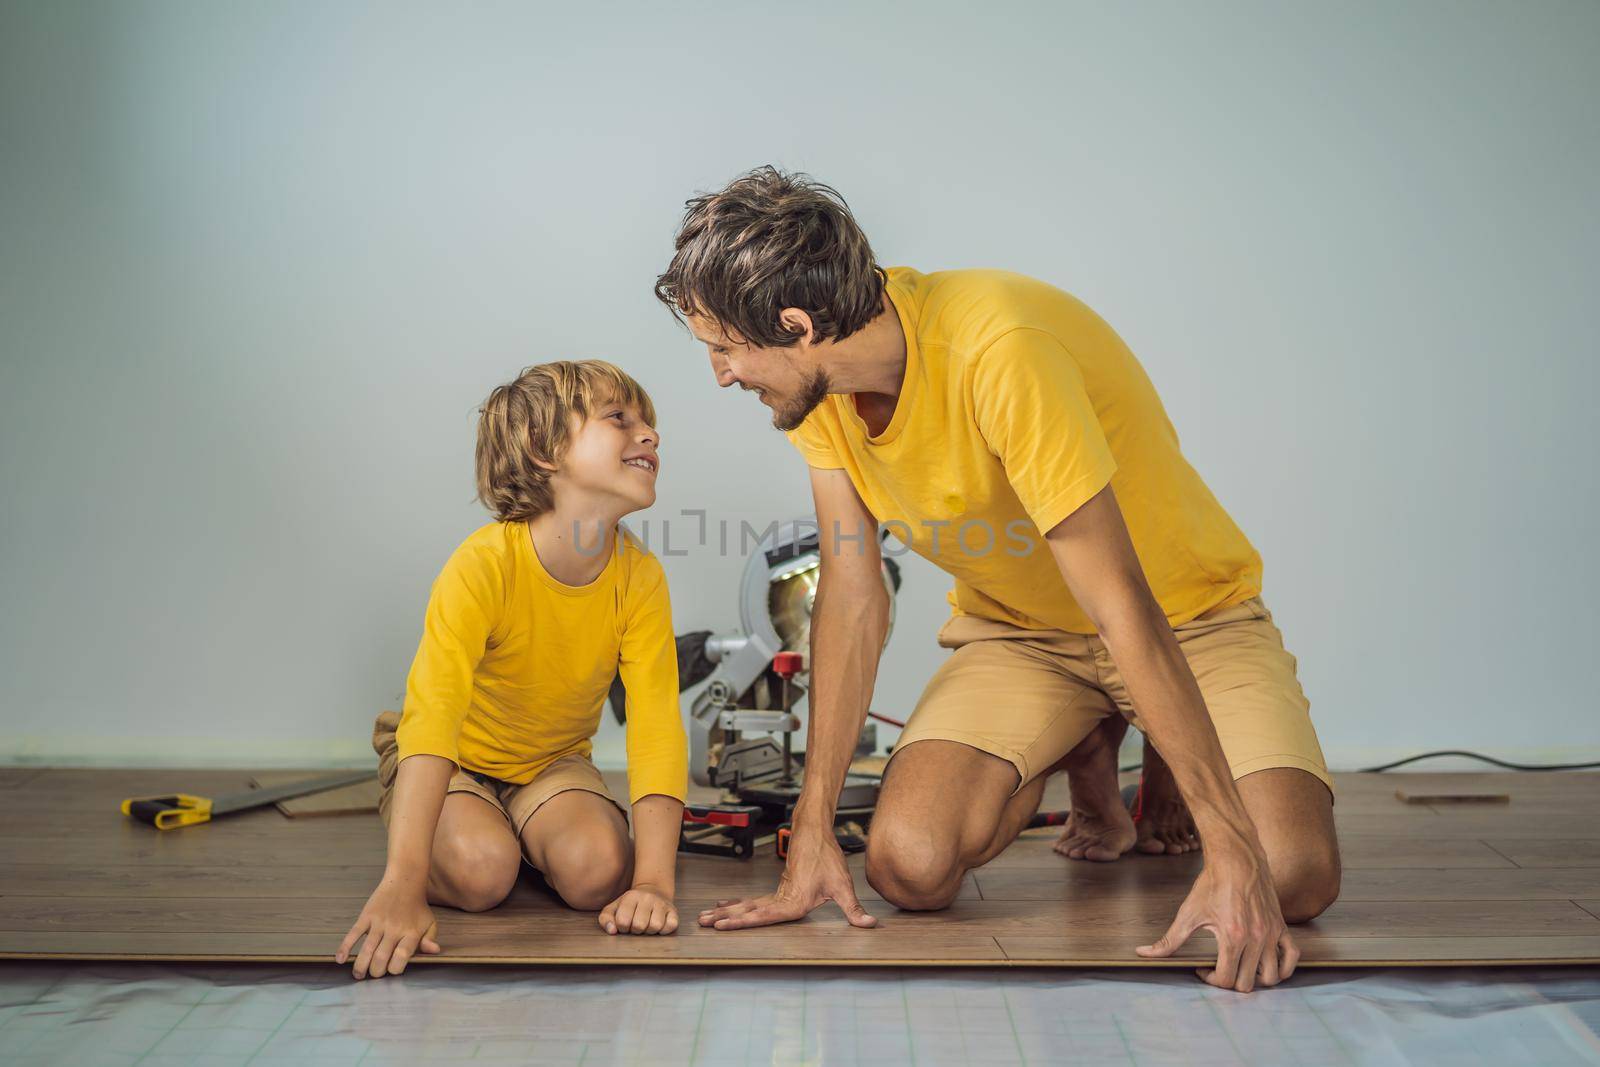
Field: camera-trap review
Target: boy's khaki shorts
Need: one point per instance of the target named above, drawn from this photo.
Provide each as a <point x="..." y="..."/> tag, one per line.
<point x="516" y="802"/>
<point x="1029" y="696"/>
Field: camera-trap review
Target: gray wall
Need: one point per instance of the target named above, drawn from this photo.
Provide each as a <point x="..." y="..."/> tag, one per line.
<point x="259" y="263"/>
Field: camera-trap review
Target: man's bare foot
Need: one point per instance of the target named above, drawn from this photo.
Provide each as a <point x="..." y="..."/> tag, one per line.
<point x="1165" y="827"/>
<point x="1099" y="827"/>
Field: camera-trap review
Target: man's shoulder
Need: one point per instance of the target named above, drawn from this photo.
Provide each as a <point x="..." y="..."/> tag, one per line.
<point x="965" y="280"/>
<point x="967" y="310"/>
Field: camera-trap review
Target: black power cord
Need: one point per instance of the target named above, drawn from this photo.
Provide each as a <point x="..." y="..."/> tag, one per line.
<point x="1508" y="765"/>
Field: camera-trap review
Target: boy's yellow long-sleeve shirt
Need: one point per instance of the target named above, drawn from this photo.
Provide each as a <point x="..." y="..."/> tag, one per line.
<point x="514" y="666"/>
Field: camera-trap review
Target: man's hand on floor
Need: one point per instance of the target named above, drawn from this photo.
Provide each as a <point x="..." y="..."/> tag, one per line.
<point x="815" y="874"/>
<point x="1237" y="902"/>
<point x="396" y="922"/>
<point x="644" y="909"/>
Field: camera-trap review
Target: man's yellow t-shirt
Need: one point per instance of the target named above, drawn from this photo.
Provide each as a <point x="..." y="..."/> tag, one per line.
<point x="1019" y="404"/>
<point x="514" y="666"/>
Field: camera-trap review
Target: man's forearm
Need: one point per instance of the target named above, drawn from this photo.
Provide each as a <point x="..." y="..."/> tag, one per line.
<point x="848" y="623"/>
<point x="1173" y="711"/>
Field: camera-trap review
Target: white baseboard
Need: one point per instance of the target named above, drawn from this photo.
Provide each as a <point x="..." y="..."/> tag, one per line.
<point x="189" y="752"/>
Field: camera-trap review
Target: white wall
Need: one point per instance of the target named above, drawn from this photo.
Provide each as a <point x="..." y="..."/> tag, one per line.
<point x="259" y="263"/>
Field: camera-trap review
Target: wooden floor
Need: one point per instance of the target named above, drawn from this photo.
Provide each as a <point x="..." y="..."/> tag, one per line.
<point x="1502" y="884"/>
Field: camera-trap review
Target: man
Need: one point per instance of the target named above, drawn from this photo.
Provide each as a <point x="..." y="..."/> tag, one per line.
<point x="1004" y="432"/>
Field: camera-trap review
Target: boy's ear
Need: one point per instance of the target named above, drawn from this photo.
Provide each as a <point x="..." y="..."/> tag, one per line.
<point x="574" y="427"/>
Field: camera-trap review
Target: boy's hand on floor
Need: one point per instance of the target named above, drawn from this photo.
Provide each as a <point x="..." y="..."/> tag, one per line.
<point x="396" y="922"/>
<point x="644" y="909"/>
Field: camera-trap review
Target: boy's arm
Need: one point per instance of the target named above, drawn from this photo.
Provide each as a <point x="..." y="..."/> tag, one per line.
<point x="647" y="907"/>
<point x="419" y="791"/>
<point x="466" y="600"/>
<point x="658" y="748"/>
<point x="396" y="920"/>
<point x="657" y="825"/>
<point x="658" y="757"/>
<point x="466" y="603"/>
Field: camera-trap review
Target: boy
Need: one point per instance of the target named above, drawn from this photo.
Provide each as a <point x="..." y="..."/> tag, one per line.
<point x="526" y="627"/>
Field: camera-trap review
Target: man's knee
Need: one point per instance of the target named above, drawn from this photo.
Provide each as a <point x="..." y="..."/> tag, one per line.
<point x="912" y="868"/>
<point x="1308" y="882"/>
<point x="1293" y="813"/>
<point x="589" y="871"/>
<point x="476" y="873"/>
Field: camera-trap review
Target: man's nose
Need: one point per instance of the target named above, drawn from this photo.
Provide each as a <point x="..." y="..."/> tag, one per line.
<point x="650" y="436"/>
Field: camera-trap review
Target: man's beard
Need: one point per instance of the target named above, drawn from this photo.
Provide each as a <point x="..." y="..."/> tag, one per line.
<point x="816" y="390"/>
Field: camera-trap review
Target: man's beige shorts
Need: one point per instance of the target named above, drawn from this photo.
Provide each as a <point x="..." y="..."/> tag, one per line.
<point x="516" y="802"/>
<point x="1029" y="696"/>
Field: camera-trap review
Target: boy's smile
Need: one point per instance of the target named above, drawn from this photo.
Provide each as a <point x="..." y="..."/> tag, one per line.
<point x="614" y="435"/>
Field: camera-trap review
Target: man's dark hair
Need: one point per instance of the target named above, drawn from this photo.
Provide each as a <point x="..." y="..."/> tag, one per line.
<point x="771" y="241"/>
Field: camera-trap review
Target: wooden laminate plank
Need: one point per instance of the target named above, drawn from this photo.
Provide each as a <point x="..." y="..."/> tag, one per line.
<point x="1388" y="851"/>
<point x="1454" y="918"/>
<point x="1323" y="951"/>
<point x="1154" y="877"/>
<point x="166" y="880"/>
<point x="14" y="777"/>
<point x="532" y="911"/>
<point x="1143" y="916"/>
<point x="107" y="822"/>
<point x="528" y="928"/>
<point x="1033" y="851"/>
<point x="1099" y="951"/>
<point x="1173" y="881"/>
<point x="358" y="799"/>
<point x="1492" y="822"/>
<point x="254" y="838"/>
<point x="1515" y="883"/>
<point x="475" y="946"/>
<point x="704" y="877"/>
<point x="730" y="882"/>
<point x="1537" y="852"/>
<point x="528" y="908"/>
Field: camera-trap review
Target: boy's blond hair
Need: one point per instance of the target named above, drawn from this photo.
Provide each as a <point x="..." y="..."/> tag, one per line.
<point x="527" y="421"/>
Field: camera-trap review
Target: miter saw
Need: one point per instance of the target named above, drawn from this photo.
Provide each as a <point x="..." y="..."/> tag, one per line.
<point x="742" y="723"/>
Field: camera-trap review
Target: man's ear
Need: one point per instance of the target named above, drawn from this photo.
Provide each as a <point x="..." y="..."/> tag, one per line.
<point x="798" y="323"/>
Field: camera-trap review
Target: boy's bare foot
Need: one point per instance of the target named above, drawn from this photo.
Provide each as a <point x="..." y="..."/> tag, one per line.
<point x="1099" y="827"/>
<point x="1165" y="827"/>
